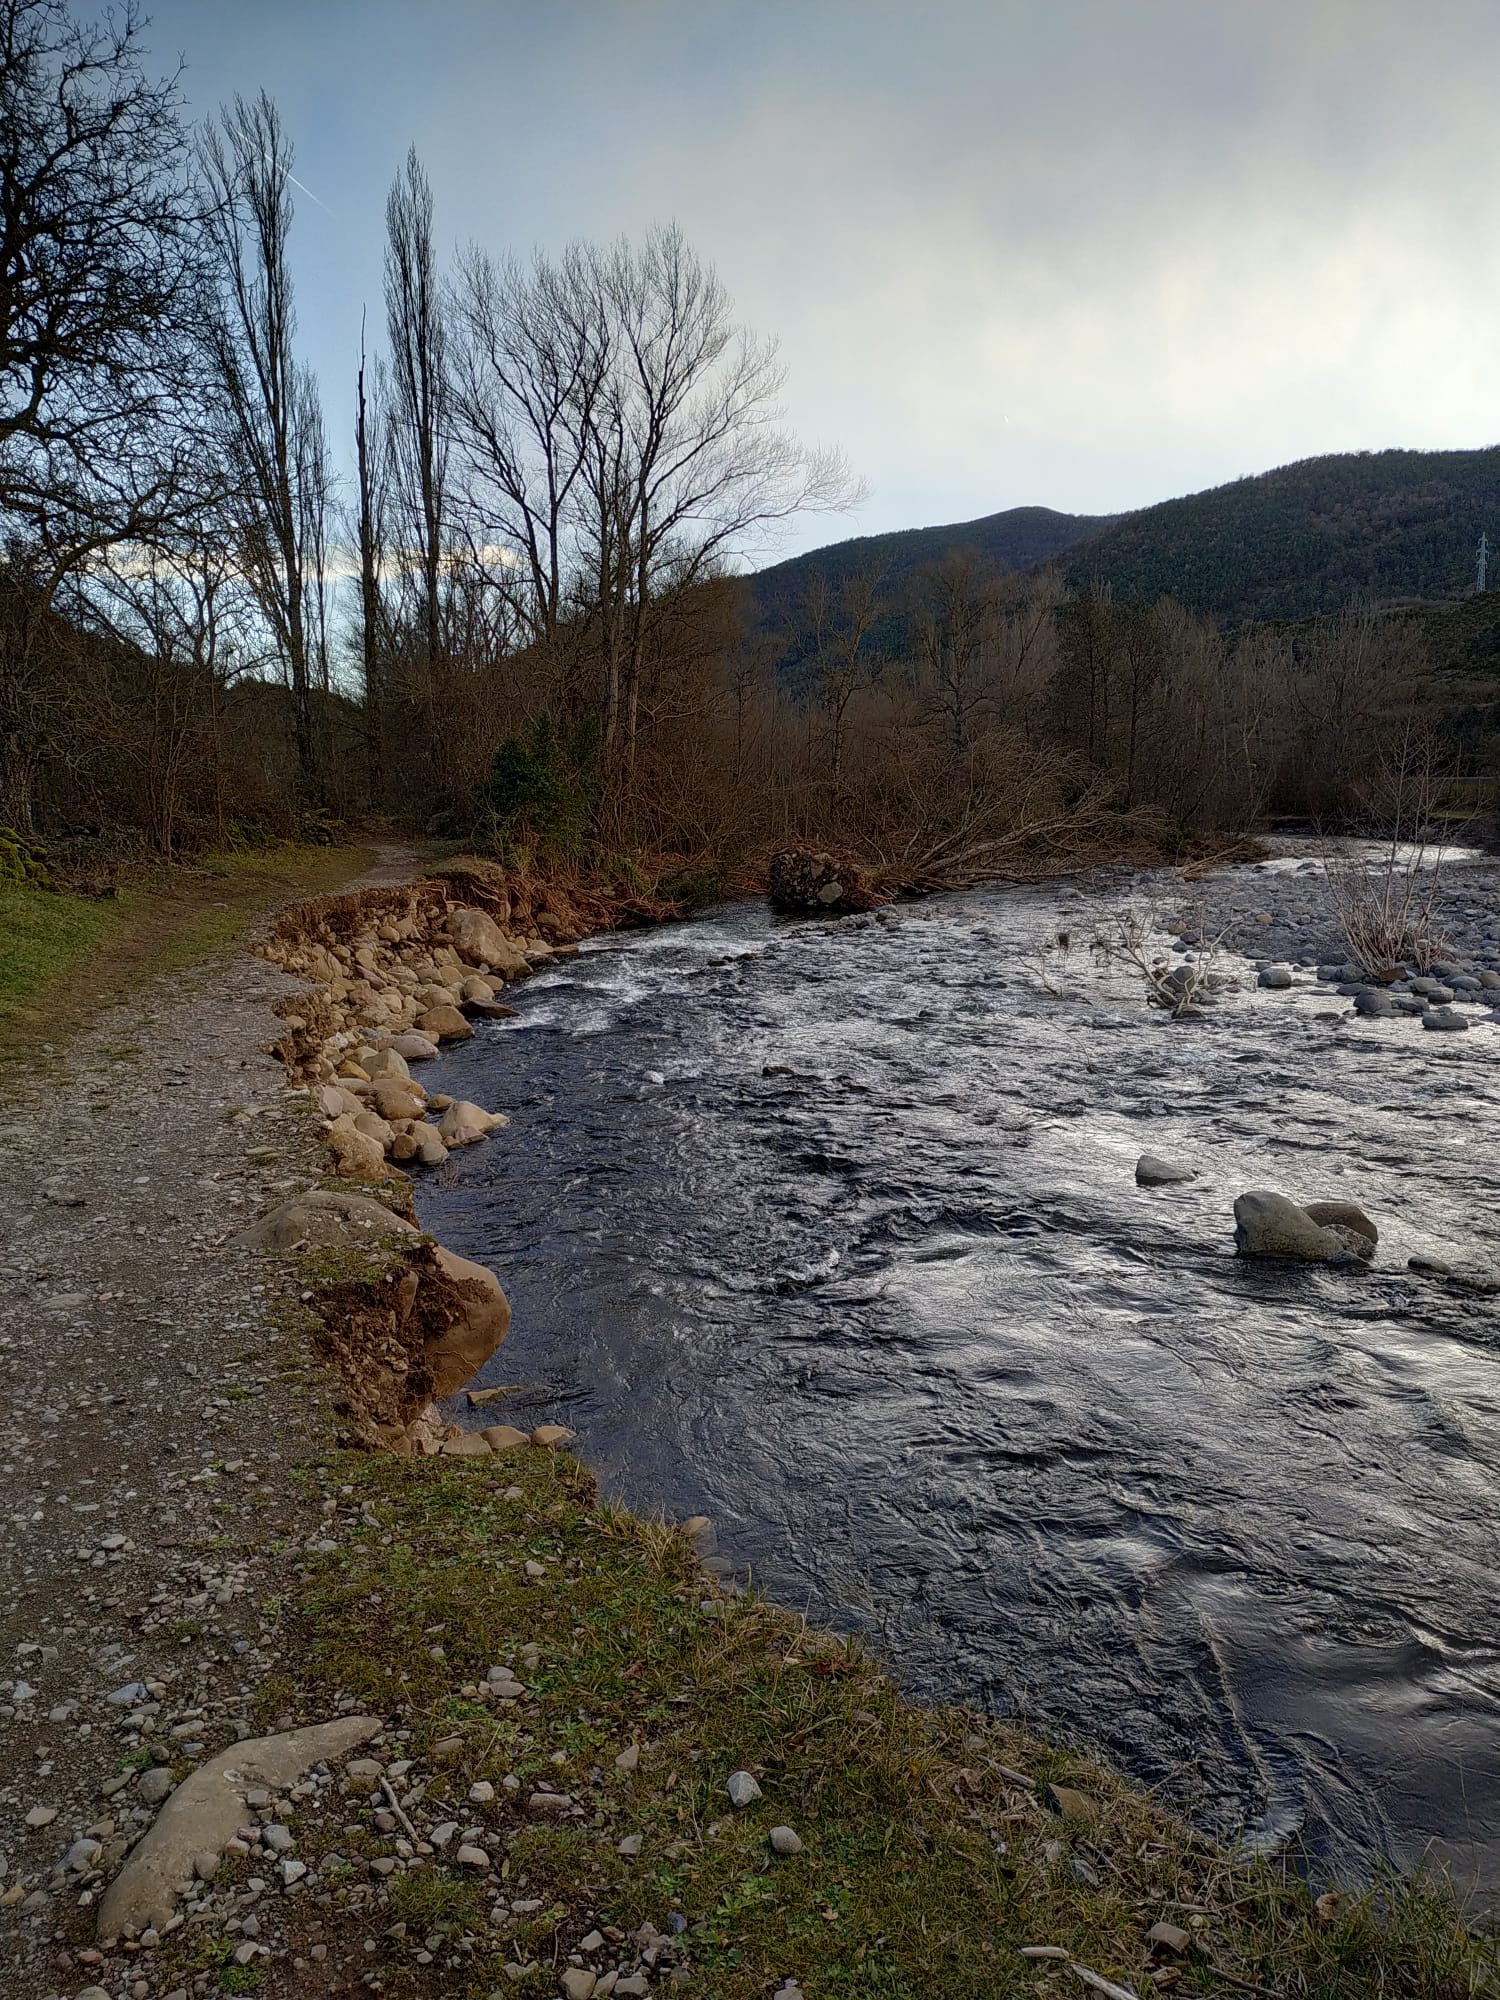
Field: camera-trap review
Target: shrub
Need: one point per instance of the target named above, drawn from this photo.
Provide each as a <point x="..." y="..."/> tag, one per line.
<point x="541" y="788"/>
<point x="22" y="863"/>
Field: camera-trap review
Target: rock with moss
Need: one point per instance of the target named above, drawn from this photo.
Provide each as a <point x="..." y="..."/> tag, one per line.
<point x="23" y="864"/>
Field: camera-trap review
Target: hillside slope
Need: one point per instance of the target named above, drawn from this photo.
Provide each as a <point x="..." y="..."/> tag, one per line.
<point x="1382" y="526"/>
<point x="1018" y="538"/>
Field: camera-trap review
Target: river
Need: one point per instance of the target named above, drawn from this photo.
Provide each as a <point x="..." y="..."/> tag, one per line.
<point x="830" y="1231"/>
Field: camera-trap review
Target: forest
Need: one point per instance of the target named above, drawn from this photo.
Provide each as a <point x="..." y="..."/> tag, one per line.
<point x="523" y="619"/>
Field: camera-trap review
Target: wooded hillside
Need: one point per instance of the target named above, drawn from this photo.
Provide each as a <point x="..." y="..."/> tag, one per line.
<point x="1371" y="526"/>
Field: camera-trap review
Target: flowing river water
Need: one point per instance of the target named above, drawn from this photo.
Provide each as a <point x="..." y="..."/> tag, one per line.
<point x="830" y="1231"/>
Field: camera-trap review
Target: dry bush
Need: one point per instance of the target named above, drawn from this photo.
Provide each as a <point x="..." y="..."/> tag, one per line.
<point x="1386" y="908"/>
<point x="1125" y="934"/>
<point x="1387" y="904"/>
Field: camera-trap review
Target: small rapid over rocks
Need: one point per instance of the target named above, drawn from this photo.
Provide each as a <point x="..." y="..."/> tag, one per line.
<point x="832" y="1231"/>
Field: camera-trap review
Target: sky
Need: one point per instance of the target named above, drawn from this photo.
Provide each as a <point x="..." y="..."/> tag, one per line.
<point x="1083" y="254"/>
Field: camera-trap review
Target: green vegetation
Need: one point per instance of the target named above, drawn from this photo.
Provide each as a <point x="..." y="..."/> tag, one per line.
<point x="931" y="1855"/>
<point x="1307" y="538"/>
<point x="1300" y="541"/>
<point x="541" y="790"/>
<point x="43" y="938"/>
<point x="22" y="863"/>
<point x="62" y="956"/>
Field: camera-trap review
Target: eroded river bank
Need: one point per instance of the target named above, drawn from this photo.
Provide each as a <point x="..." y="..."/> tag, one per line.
<point x="830" y="1231"/>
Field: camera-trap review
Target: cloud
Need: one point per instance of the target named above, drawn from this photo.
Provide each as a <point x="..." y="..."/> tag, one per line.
<point x="1073" y="251"/>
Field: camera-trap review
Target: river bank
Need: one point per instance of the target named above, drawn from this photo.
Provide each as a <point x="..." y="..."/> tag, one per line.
<point x="558" y="1696"/>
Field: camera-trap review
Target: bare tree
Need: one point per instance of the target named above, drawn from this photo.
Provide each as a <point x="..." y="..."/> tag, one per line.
<point x="271" y="418"/>
<point x="838" y="656"/>
<point x="180" y="638"/>
<point x="531" y="353"/>
<point x="417" y="411"/>
<point x="689" y="427"/>
<point x="619" y="442"/>
<point x="369" y="436"/>
<point x="955" y="635"/>
<point x="97" y="273"/>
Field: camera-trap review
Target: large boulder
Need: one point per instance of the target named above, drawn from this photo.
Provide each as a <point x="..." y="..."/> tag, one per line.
<point x="1153" y="1171"/>
<point x="465" y="1124"/>
<point x="403" y="1332"/>
<point x="805" y="881"/>
<point x="322" y="1220"/>
<point x="475" y="1331"/>
<point x="388" y="1064"/>
<point x="1272" y="1225"/>
<point x="479" y="939"/>
<point x="413" y="1047"/>
<point x="1343" y="1215"/>
<point x="356" y="1155"/>
<point x="395" y="1100"/>
<point x="443" y="1024"/>
<point x="208" y="1808"/>
<point x="333" y="1101"/>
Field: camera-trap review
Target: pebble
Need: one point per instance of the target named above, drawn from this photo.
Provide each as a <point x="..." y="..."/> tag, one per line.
<point x="1170" y="1937"/>
<point x="630" y="1846"/>
<point x="155" y="1785"/>
<point x="482" y="1793"/>
<point x="41" y="1816"/>
<point x="278" y="1838"/>
<point x="784" y="1841"/>
<point x="472" y="1857"/>
<point x="629" y="1758"/>
<point x="743" y="1790"/>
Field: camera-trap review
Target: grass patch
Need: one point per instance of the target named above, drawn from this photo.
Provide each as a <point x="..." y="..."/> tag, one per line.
<point x="929" y="1861"/>
<point x="43" y="937"/>
<point x="62" y="956"/>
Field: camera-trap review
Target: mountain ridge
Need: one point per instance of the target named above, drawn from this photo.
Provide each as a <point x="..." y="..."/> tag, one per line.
<point x="1295" y="541"/>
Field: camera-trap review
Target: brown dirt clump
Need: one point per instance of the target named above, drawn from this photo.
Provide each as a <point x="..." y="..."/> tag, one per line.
<point x="386" y="1327"/>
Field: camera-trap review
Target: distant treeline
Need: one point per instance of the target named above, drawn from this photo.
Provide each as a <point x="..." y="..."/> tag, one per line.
<point x="519" y="623"/>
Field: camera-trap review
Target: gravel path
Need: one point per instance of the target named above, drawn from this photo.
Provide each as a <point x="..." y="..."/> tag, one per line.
<point x="154" y="1419"/>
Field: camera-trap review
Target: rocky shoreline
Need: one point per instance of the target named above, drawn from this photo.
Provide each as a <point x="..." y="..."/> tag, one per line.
<point x="397" y="973"/>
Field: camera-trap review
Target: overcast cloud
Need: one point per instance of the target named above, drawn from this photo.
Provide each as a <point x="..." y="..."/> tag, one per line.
<point x="1082" y="253"/>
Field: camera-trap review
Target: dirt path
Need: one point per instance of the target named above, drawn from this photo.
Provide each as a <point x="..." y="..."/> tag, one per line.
<point x="158" y="1445"/>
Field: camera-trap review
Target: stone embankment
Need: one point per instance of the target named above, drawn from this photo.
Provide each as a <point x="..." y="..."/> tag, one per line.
<point x="395" y="973"/>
